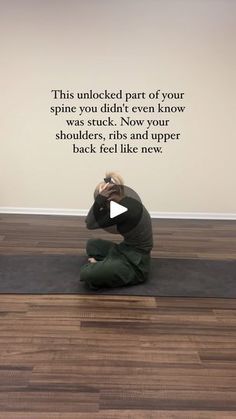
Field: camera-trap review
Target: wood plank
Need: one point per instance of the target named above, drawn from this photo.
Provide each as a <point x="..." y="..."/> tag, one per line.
<point x="35" y="234"/>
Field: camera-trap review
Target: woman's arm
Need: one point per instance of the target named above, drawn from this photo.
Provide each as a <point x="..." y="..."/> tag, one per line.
<point x="99" y="214"/>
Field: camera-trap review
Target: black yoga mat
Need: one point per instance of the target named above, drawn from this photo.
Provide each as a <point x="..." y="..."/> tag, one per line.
<point x="59" y="274"/>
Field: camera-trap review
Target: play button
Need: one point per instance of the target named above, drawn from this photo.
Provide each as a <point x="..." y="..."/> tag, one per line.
<point x="116" y="209"/>
<point x="118" y="215"/>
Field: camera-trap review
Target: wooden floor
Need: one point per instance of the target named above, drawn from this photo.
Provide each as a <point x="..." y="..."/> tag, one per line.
<point x="112" y="357"/>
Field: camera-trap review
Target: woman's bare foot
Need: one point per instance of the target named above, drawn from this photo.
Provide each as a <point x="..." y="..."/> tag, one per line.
<point x="92" y="260"/>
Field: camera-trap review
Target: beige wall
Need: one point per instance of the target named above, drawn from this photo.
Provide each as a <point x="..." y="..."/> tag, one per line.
<point x="173" y="45"/>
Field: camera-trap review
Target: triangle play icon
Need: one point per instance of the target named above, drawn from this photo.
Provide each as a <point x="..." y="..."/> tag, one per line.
<point x="116" y="209"/>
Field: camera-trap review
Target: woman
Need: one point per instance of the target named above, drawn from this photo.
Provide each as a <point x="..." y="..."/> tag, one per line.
<point x="127" y="263"/>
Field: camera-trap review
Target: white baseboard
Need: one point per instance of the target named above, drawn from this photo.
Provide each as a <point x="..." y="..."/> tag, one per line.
<point x="43" y="211"/>
<point x="194" y="215"/>
<point x="154" y="214"/>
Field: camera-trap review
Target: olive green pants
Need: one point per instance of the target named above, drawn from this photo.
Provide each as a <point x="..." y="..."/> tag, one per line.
<point x="117" y="265"/>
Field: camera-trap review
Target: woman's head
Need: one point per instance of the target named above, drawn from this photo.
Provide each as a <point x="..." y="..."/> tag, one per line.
<point x="111" y="177"/>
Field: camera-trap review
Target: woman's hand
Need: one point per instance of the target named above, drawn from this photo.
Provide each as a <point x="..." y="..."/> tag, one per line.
<point x="107" y="190"/>
<point x="111" y="192"/>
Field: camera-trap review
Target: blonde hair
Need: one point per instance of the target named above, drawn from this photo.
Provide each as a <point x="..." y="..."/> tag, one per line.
<point x="116" y="178"/>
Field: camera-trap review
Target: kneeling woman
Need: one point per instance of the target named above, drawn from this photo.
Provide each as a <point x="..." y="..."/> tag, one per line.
<point x="127" y="263"/>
